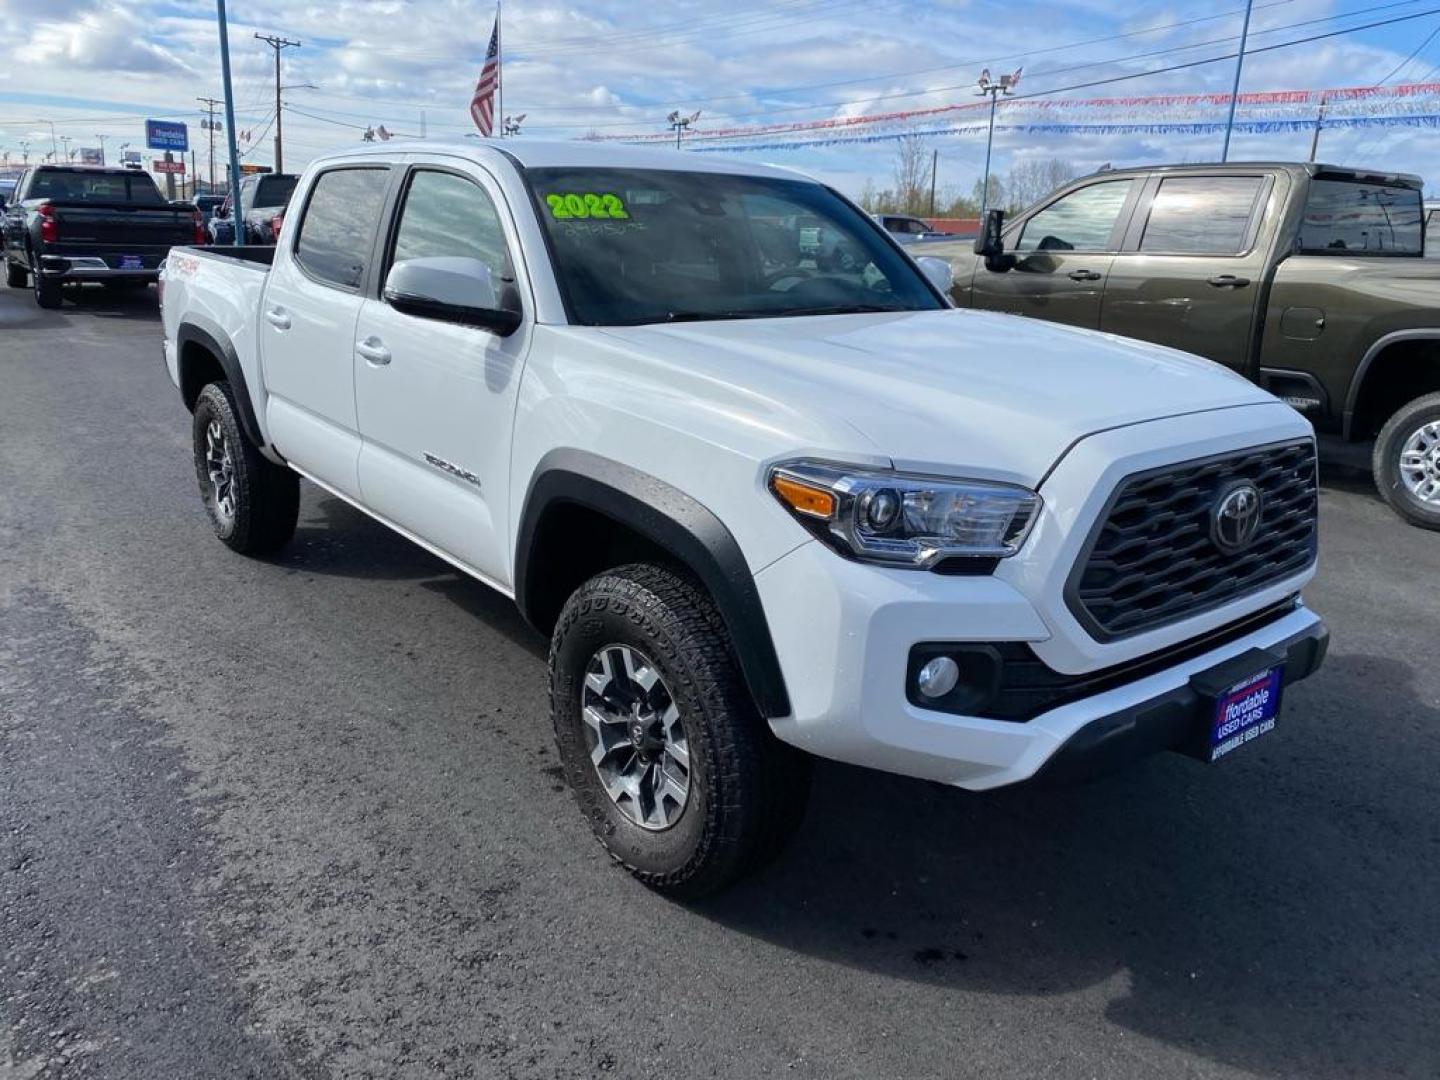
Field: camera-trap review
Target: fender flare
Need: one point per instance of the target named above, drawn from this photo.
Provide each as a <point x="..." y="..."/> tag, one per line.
<point x="680" y="525"/>
<point x="1357" y="381"/>
<point x="197" y="330"/>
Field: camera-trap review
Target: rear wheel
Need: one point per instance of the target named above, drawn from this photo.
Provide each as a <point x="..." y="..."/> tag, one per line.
<point x="15" y="275"/>
<point x="1407" y="462"/>
<point x="47" y="290"/>
<point x="252" y="502"/>
<point x="680" y="777"/>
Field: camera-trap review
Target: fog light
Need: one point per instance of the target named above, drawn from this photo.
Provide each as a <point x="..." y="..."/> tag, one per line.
<point x="938" y="677"/>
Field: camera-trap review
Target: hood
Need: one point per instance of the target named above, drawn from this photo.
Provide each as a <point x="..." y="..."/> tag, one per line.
<point x="995" y="396"/>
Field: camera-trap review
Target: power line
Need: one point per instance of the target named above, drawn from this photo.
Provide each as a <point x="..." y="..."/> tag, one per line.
<point x="1098" y="63"/>
<point x="1373" y="141"/>
<point x="1163" y="70"/>
<point x="1416" y="52"/>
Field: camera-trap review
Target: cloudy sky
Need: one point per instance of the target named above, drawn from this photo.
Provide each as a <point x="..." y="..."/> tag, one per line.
<point x="601" y="67"/>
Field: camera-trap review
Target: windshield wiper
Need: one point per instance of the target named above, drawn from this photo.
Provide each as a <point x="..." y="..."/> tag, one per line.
<point x="685" y="315"/>
<point x="843" y="309"/>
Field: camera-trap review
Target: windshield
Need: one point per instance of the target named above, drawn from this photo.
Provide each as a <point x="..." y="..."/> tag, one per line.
<point x="642" y="246"/>
<point x="274" y="190"/>
<point x="1343" y="216"/>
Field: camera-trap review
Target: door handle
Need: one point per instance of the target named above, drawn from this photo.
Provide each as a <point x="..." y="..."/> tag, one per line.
<point x="374" y="351"/>
<point x="1228" y="281"/>
<point x="278" y="318"/>
<point x="1085" y="275"/>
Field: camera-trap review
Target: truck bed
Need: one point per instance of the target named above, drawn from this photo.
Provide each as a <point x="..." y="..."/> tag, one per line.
<point x="254" y="254"/>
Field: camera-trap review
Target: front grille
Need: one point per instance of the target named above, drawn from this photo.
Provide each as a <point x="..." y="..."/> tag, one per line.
<point x="1151" y="560"/>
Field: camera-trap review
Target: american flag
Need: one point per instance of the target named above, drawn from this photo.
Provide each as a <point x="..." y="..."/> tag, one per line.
<point x="482" y="105"/>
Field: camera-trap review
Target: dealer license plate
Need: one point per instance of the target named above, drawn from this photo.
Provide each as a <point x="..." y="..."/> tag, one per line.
<point x="131" y="262"/>
<point x="1244" y="712"/>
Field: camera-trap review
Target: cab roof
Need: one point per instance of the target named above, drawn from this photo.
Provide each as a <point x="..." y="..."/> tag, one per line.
<point x="540" y="153"/>
<point x="1316" y="170"/>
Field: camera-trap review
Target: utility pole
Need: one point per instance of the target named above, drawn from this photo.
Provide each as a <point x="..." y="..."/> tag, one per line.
<point x="1319" y="123"/>
<point x="994" y="89"/>
<point x="278" y="44"/>
<point x="102" y="147"/>
<point x="934" y="168"/>
<point x="210" y="126"/>
<point x="1235" y="90"/>
<point x="54" y="147"/>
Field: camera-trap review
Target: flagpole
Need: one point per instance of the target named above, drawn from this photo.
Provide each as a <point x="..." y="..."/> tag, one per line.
<point x="499" y="72"/>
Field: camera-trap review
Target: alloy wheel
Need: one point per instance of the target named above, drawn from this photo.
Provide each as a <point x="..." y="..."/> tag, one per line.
<point x="220" y="469"/>
<point x="1420" y="464"/>
<point x="636" y="737"/>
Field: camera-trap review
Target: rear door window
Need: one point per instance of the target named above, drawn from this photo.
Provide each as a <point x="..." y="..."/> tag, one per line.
<point x="337" y="232"/>
<point x="1083" y="220"/>
<point x="1202" y="215"/>
<point x="1343" y="216"/>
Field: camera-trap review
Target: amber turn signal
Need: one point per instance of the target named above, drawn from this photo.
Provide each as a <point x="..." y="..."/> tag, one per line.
<point x="802" y="498"/>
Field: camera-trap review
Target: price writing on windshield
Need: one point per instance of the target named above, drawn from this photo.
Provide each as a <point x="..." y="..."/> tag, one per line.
<point x="588" y="204"/>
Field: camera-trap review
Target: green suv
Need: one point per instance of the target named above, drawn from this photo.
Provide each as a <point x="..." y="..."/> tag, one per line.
<point x="1309" y="279"/>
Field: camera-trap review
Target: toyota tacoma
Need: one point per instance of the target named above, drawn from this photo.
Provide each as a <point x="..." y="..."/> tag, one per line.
<point x="766" y="506"/>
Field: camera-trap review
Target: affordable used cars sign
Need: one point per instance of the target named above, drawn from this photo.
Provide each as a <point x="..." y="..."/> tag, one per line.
<point x="166" y="135"/>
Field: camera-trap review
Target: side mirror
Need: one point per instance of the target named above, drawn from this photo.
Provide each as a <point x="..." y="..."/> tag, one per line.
<point x="451" y="289"/>
<point x="939" y="271"/>
<point x="990" y="244"/>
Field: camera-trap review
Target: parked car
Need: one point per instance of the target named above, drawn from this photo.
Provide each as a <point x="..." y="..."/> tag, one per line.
<point x="762" y="509"/>
<point x="79" y="223"/>
<point x="7" y="190"/>
<point x="908" y="229"/>
<point x="208" y="204"/>
<point x="1307" y="279"/>
<point x="262" y="196"/>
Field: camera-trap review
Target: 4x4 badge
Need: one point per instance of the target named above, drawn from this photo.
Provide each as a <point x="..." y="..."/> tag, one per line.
<point x="1235" y="519"/>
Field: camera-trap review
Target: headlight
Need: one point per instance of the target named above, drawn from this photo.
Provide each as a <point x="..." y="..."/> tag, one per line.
<point x="901" y="519"/>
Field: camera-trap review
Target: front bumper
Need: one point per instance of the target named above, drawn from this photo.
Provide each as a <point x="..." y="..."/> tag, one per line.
<point x="844" y="631"/>
<point x="1168" y="721"/>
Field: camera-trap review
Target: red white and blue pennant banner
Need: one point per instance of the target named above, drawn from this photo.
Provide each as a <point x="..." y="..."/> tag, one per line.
<point x="1273" y="110"/>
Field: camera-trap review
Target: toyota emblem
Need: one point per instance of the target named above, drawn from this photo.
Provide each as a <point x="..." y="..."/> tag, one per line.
<point x="1236" y="517"/>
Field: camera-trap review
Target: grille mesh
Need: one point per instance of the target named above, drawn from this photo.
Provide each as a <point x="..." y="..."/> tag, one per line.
<point x="1151" y="561"/>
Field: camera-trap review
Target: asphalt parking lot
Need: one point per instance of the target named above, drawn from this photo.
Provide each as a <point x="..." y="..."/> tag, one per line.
<point x="303" y="818"/>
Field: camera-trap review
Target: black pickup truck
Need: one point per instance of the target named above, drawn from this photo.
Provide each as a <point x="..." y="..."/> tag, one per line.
<point x="76" y="223"/>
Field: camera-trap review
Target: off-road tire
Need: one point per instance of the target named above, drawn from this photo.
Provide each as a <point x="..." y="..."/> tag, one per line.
<point x="748" y="790"/>
<point x="15" y="275"/>
<point x="1408" y="419"/>
<point x="266" y="496"/>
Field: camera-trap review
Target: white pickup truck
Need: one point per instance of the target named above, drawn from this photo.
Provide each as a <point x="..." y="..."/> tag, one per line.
<point x="770" y="495"/>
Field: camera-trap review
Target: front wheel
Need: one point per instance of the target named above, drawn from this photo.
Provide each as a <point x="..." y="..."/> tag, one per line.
<point x="15" y="276"/>
<point x="680" y="777"/>
<point x="1407" y="462"/>
<point x="253" y="503"/>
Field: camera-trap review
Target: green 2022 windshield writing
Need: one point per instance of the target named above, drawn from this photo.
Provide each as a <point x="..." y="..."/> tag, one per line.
<point x="585" y="205"/>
